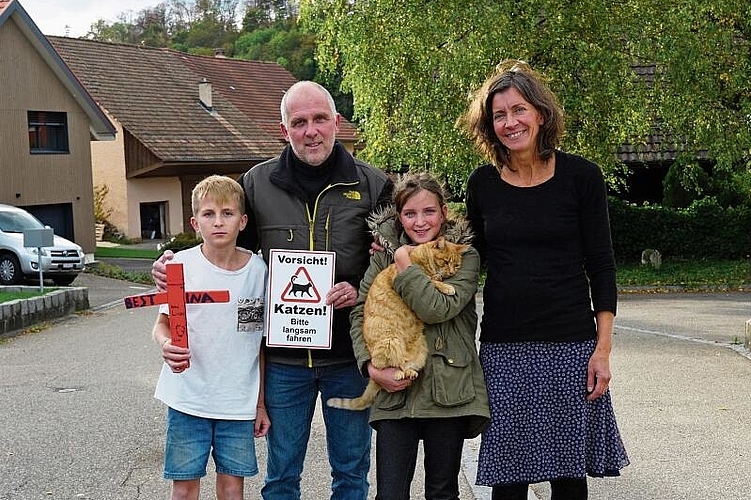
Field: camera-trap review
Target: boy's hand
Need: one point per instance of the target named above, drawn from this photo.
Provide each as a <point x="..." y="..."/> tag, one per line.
<point x="175" y="357"/>
<point x="159" y="270"/>
<point x="262" y="424"/>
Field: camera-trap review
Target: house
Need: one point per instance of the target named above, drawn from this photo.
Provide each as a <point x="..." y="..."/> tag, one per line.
<point x="47" y="124"/>
<point x="649" y="161"/>
<point x="179" y="118"/>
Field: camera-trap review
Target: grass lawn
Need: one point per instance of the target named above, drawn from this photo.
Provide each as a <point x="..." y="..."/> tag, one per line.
<point x="123" y="251"/>
<point x="8" y="296"/>
<point x="690" y="275"/>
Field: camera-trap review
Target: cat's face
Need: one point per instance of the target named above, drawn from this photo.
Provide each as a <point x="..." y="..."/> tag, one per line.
<point x="422" y="217"/>
<point x="439" y="258"/>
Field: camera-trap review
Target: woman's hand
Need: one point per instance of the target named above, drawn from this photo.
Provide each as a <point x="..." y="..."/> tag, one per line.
<point x="598" y="374"/>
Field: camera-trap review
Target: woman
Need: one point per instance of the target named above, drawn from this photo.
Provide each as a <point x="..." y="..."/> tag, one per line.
<point x="541" y="225"/>
<point x="405" y="412"/>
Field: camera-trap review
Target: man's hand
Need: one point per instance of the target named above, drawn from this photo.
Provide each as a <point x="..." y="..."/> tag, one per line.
<point x="375" y="247"/>
<point x="159" y="270"/>
<point x="341" y="295"/>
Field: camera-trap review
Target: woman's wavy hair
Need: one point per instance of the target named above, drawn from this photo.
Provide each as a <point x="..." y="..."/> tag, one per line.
<point x="477" y="121"/>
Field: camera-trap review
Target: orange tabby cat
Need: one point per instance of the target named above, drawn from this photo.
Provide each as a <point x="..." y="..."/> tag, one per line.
<point x="391" y="330"/>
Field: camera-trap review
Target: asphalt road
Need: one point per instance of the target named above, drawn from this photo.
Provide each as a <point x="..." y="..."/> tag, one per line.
<point x="81" y="421"/>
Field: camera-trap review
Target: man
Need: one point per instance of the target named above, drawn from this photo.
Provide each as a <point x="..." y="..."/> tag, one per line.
<point x="314" y="196"/>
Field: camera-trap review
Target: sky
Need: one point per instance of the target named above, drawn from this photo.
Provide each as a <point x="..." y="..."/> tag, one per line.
<point x="74" y="17"/>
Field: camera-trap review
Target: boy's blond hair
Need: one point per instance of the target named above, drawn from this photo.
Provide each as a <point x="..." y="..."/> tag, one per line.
<point x="221" y="189"/>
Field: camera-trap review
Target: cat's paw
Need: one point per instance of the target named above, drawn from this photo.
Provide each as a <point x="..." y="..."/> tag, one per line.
<point x="410" y="374"/>
<point x="399" y="375"/>
<point x="445" y="289"/>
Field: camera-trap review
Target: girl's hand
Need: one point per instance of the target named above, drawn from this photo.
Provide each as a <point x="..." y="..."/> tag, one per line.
<point x="401" y="257"/>
<point x="385" y="378"/>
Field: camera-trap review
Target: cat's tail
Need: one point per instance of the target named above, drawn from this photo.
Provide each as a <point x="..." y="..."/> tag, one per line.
<point x="359" y="403"/>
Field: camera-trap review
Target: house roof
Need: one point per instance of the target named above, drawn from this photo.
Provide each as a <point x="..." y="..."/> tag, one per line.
<point x="99" y="125"/>
<point x="657" y="147"/>
<point x="255" y="87"/>
<point x="154" y="94"/>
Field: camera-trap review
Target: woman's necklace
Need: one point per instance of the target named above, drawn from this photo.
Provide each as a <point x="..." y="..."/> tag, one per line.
<point x="539" y="172"/>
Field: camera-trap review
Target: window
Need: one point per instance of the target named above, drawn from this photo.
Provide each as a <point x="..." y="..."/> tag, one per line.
<point x="48" y="132"/>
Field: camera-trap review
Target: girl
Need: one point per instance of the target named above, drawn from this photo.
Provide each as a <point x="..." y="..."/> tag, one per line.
<point x="405" y="412"/>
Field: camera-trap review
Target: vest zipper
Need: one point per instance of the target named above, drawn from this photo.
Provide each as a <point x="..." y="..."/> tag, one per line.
<point x="312" y="234"/>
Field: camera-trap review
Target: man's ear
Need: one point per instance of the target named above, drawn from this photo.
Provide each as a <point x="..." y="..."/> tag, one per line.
<point x="284" y="131"/>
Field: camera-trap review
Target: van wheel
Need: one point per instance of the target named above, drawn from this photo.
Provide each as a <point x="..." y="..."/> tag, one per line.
<point x="10" y="269"/>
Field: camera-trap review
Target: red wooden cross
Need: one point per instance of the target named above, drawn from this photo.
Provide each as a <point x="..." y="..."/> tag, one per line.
<point x="177" y="297"/>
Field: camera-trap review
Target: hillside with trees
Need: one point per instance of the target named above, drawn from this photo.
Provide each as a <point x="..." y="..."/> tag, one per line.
<point x="667" y="79"/>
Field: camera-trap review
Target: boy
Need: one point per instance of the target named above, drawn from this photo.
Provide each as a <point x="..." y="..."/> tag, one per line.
<point x="216" y="404"/>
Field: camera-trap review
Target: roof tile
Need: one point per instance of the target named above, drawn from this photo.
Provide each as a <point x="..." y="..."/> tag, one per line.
<point x="153" y="93"/>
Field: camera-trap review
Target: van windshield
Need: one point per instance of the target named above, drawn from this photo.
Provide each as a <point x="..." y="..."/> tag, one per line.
<point x="17" y="222"/>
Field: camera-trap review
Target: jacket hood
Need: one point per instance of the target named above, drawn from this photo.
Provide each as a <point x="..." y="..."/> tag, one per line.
<point x="386" y="231"/>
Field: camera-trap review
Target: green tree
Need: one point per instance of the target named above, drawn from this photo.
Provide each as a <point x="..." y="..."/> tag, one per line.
<point x="702" y="55"/>
<point x="282" y="43"/>
<point x="151" y="26"/>
<point x="200" y="26"/>
<point x="117" y="32"/>
<point x="410" y="65"/>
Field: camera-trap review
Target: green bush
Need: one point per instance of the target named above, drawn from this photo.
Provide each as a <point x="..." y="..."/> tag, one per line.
<point x="180" y="242"/>
<point x="683" y="184"/>
<point x="704" y="230"/>
<point x="457" y="208"/>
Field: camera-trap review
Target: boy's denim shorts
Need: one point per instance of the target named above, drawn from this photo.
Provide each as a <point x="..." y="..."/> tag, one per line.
<point x="190" y="439"/>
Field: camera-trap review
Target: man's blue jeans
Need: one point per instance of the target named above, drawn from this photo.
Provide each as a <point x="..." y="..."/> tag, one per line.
<point x="291" y="393"/>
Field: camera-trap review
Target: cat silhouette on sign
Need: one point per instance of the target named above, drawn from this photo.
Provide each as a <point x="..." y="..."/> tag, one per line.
<point x="299" y="288"/>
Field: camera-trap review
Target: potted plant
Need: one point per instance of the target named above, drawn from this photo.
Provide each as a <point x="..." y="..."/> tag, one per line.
<point x="102" y="212"/>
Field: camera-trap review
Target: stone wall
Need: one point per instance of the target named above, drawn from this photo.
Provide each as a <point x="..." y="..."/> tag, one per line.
<point x="19" y="314"/>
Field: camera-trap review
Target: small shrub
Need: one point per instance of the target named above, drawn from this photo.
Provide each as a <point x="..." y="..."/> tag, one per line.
<point x="180" y="242"/>
<point x="102" y="211"/>
<point x="118" y="273"/>
<point x="457" y="208"/>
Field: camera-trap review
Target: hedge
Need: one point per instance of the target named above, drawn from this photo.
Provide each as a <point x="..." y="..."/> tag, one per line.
<point x="704" y="230"/>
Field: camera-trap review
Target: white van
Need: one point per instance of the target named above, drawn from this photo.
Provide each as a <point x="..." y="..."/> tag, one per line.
<point x="61" y="263"/>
